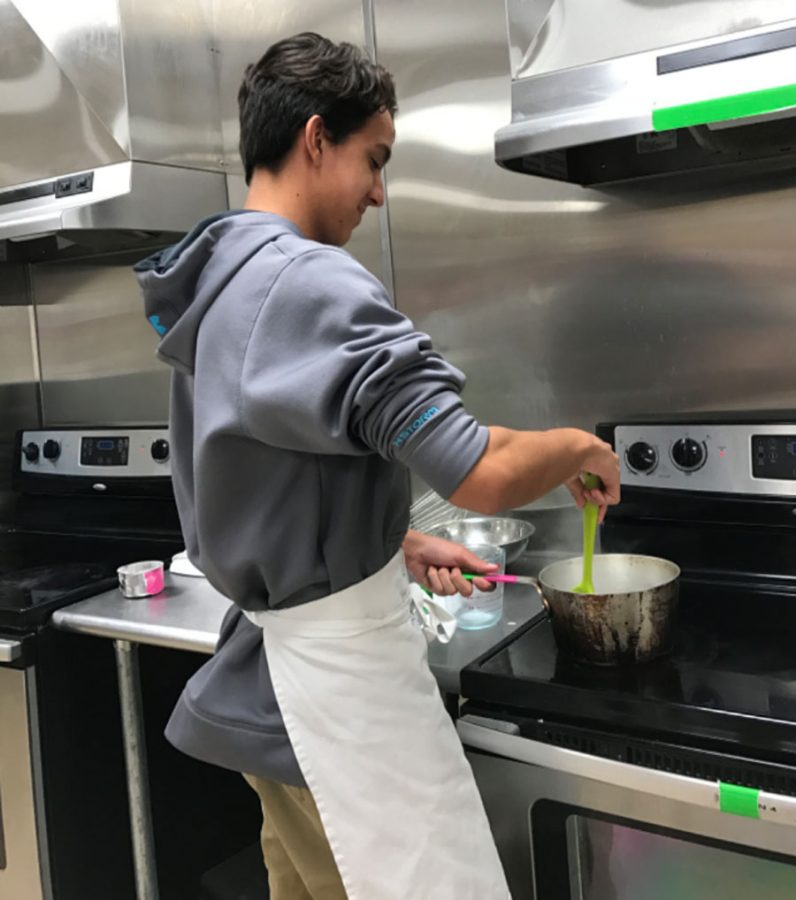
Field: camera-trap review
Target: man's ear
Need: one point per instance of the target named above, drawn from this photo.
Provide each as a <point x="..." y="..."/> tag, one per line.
<point x="314" y="136"/>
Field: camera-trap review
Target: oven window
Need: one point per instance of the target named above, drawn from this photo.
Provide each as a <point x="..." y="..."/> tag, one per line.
<point x="608" y="861"/>
<point x="579" y="854"/>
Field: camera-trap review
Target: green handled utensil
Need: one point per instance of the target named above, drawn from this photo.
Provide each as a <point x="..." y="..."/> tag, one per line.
<point x="590" y="514"/>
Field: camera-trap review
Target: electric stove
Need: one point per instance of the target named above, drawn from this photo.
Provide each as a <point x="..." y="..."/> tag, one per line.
<point x="691" y="750"/>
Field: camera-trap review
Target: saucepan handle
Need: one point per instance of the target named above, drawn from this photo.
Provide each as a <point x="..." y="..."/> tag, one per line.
<point x="534" y="583"/>
<point x="528" y="580"/>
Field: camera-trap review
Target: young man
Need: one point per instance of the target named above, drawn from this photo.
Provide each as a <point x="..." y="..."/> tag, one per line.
<point x="300" y="400"/>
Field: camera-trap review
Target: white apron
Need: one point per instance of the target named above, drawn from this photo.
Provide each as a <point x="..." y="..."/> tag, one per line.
<point x="376" y="747"/>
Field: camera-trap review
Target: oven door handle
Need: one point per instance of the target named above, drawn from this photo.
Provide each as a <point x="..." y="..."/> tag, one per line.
<point x="9" y="650"/>
<point x="503" y="739"/>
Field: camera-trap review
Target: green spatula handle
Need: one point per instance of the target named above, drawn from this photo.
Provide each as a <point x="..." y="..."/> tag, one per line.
<point x="592" y="482"/>
<point x="590" y="515"/>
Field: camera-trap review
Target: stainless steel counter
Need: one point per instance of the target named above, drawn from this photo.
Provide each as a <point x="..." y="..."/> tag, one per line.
<point x="188" y="614"/>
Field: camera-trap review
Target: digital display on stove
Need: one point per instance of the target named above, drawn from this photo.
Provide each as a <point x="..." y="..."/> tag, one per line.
<point x="104" y="451"/>
<point x="774" y="456"/>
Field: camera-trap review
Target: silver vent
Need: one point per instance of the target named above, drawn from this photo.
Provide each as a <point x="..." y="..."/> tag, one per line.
<point x="598" y="94"/>
<point x="109" y="119"/>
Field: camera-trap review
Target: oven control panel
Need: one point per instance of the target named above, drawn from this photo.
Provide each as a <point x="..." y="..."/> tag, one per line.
<point x="100" y="452"/>
<point x="735" y="459"/>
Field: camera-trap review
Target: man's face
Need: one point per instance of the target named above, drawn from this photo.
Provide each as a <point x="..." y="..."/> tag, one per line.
<point x="349" y="180"/>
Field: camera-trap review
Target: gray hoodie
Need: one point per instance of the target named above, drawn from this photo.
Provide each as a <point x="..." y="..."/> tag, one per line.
<point x="300" y="398"/>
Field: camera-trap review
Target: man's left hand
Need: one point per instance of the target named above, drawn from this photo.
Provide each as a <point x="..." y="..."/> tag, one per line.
<point x="438" y="564"/>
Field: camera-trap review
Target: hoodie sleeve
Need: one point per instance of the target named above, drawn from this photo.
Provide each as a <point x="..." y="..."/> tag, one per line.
<point x="331" y="367"/>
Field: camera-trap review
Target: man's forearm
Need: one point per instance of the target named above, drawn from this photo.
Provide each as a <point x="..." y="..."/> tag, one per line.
<point x="538" y="461"/>
<point x="520" y="466"/>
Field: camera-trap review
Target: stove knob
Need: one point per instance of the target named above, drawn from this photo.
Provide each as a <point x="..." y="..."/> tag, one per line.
<point x="160" y="450"/>
<point x="688" y="454"/>
<point x="641" y="457"/>
<point x="52" y="449"/>
<point x="31" y="452"/>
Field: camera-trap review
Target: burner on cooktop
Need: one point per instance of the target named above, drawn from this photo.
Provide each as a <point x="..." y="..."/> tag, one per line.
<point x="38" y="584"/>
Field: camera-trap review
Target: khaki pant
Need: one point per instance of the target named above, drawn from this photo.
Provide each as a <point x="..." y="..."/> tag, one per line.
<point x="297" y="855"/>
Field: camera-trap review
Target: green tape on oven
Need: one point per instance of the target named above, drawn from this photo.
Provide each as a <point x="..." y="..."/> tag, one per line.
<point x="739" y="801"/>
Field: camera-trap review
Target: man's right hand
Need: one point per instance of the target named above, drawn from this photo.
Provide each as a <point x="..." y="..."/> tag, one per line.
<point x="603" y="462"/>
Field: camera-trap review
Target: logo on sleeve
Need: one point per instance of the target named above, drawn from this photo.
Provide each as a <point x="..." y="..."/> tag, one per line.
<point x="418" y="423"/>
<point x="155" y="322"/>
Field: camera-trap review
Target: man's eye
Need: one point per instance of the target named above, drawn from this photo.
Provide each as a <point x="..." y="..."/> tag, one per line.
<point x="375" y="163"/>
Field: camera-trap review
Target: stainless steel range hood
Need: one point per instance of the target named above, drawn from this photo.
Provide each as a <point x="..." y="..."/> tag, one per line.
<point x="612" y="91"/>
<point x="109" y="120"/>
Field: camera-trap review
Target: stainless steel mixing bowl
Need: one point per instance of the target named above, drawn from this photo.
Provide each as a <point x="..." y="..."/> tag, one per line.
<point x="510" y="534"/>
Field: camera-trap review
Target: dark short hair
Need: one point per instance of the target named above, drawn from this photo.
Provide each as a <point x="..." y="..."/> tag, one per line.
<point x="298" y="78"/>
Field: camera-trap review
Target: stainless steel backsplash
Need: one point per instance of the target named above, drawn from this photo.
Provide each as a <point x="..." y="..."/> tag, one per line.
<point x="19" y="382"/>
<point x="97" y="350"/>
<point x="562" y="305"/>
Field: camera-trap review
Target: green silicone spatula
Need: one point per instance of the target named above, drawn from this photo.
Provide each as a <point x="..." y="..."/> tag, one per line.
<point x="590" y="514"/>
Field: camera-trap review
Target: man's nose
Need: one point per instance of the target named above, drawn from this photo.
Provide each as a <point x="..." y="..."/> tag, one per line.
<point x="376" y="196"/>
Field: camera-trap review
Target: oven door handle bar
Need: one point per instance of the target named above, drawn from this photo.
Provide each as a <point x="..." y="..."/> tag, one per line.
<point x="9" y="650"/>
<point x="504" y="739"/>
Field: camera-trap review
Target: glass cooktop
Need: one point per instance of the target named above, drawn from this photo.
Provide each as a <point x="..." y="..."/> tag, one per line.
<point x="730" y="679"/>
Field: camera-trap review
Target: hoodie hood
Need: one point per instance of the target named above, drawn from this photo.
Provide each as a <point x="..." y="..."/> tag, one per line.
<point x="181" y="282"/>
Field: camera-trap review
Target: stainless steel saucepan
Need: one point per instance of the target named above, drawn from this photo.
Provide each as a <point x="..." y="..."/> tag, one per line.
<point x="630" y="617"/>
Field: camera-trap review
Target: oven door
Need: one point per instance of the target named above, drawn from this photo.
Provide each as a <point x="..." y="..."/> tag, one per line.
<point x="571" y="826"/>
<point x="20" y="869"/>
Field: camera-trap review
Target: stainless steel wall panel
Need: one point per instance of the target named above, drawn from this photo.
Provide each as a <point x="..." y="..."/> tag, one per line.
<point x="97" y="350"/>
<point x="19" y="383"/>
<point x="172" y="66"/>
<point x="565" y="305"/>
